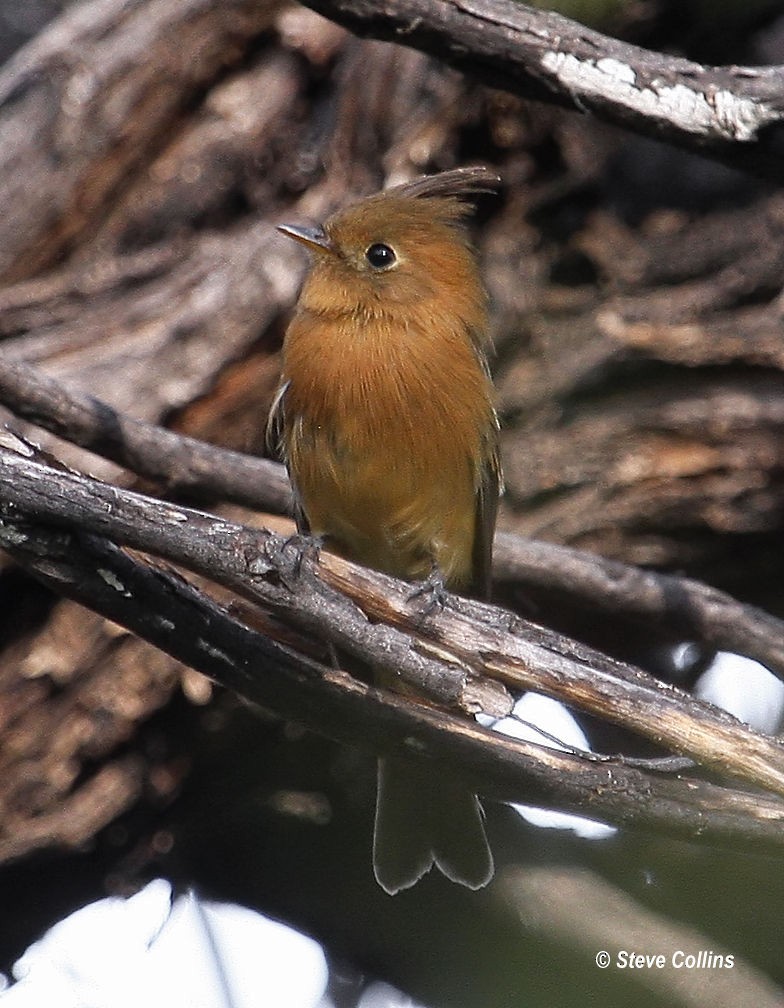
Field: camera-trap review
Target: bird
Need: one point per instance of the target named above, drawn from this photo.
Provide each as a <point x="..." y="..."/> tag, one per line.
<point x="385" y="420"/>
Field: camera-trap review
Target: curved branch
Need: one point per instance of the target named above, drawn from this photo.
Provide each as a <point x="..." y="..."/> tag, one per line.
<point x="183" y="464"/>
<point x="682" y="605"/>
<point x="734" y="113"/>
<point x="168" y="612"/>
<point x="463" y="657"/>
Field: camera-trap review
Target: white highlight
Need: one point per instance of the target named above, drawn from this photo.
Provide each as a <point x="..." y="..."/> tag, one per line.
<point x="744" y="688"/>
<point x="557" y="721"/>
<point x="113" y="581"/>
<point x="153" y="950"/>
<point x="731" y="116"/>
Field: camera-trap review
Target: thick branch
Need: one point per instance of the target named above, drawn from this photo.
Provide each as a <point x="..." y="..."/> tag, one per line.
<point x="730" y="112"/>
<point x="168" y="612"/>
<point x="119" y="75"/>
<point x="462" y="657"/>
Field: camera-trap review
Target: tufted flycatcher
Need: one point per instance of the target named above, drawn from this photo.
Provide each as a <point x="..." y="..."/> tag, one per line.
<point x="388" y="431"/>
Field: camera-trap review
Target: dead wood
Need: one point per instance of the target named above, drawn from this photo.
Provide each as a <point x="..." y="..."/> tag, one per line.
<point x="462" y="657"/>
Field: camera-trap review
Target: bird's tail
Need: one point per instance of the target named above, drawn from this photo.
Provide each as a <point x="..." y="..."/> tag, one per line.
<point x="424" y="818"/>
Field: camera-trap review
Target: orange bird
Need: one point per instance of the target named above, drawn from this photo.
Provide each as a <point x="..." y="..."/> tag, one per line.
<point x="388" y="430"/>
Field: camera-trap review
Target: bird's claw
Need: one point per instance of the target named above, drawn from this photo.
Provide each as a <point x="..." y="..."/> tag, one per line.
<point x="433" y="589"/>
<point x="285" y="557"/>
<point x="305" y="547"/>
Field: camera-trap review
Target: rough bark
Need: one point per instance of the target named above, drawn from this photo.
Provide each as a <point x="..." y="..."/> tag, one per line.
<point x="545" y="56"/>
<point x="463" y="658"/>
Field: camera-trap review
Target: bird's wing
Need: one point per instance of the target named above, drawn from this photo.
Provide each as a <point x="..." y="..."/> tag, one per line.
<point x="486" y="508"/>
<point x="276" y="425"/>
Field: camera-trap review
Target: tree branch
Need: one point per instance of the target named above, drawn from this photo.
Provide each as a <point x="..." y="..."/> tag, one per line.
<point x="733" y="113"/>
<point x="162" y="608"/>
<point x="683" y="606"/>
<point x="120" y="76"/>
<point x="463" y="657"/>
<point x="183" y="464"/>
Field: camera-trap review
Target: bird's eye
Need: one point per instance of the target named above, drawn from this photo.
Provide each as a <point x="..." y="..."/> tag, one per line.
<point x="380" y="256"/>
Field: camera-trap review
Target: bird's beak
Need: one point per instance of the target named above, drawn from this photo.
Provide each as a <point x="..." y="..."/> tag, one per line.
<point x="312" y="237"/>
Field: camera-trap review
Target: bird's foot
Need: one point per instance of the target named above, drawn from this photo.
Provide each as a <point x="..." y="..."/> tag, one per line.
<point x="284" y="558"/>
<point x="432" y="590"/>
<point x="305" y="547"/>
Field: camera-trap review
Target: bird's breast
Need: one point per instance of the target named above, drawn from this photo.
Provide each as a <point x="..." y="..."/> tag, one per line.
<point x="384" y="437"/>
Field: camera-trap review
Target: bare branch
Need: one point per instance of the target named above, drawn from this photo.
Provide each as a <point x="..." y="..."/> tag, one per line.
<point x="462" y="657"/>
<point x="681" y="605"/>
<point x="696" y="611"/>
<point x="165" y="610"/>
<point x="118" y="74"/>
<point x="182" y="464"/>
<point x="734" y="113"/>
